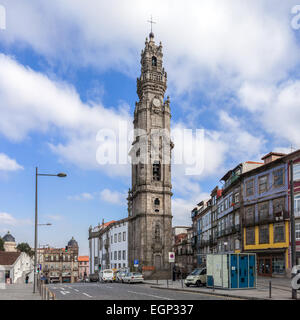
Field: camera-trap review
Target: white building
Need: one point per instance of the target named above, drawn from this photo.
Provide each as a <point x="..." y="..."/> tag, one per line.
<point x="108" y="245"/>
<point x="15" y="266"/>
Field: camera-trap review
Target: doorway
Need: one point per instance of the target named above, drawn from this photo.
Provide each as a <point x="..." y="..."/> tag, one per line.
<point x="264" y="266"/>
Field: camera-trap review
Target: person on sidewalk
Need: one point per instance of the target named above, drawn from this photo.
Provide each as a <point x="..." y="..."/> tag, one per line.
<point x="26" y="279"/>
<point x="174" y="273"/>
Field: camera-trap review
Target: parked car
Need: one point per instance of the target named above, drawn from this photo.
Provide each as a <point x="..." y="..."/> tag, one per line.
<point x="107" y="275"/>
<point x="133" y="277"/>
<point x="197" y="277"/>
<point x="120" y="275"/>
<point x="94" y="277"/>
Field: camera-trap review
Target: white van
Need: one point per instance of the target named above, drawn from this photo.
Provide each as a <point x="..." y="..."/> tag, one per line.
<point x="107" y="275"/>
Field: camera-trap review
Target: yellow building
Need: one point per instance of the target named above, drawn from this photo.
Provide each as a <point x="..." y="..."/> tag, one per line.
<point x="270" y="242"/>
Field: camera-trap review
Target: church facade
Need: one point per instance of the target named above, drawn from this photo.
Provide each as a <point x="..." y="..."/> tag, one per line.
<point x="149" y="199"/>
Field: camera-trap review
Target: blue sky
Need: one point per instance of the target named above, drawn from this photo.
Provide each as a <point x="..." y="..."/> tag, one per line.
<point x="68" y="69"/>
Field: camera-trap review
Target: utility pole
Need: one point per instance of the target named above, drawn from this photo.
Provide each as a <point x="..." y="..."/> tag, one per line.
<point x="292" y="222"/>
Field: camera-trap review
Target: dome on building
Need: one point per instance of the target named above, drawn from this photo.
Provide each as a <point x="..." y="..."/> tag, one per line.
<point x="72" y="243"/>
<point x="8" y="238"/>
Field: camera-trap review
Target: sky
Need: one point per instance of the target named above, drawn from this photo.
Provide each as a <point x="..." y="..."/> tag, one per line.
<point x="68" y="71"/>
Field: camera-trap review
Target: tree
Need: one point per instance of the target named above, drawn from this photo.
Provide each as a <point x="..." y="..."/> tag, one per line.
<point x="1" y="244"/>
<point x="25" y="247"/>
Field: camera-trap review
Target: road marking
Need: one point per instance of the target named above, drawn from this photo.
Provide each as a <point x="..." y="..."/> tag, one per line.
<point x="76" y="290"/>
<point x="150" y="295"/>
<point x="87" y="295"/>
<point x="108" y="287"/>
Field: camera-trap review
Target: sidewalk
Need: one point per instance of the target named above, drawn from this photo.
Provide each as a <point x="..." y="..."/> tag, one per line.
<point x="19" y="292"/>
<point x="281" y="289"/>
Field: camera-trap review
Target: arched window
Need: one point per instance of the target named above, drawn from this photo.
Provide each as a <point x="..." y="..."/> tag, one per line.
<point x="154" y="61"/>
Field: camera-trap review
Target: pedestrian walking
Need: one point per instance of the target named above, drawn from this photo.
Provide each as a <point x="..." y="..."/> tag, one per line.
<point x="26" y="279"/>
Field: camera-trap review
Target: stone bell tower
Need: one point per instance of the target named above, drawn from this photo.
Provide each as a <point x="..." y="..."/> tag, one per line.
<point x="149" y="199"/>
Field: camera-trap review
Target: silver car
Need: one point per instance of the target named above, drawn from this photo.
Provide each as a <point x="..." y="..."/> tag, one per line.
<point x="133" y="277"/>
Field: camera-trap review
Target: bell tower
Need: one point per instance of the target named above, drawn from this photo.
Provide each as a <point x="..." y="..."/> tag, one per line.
<point x="149" y="199"/>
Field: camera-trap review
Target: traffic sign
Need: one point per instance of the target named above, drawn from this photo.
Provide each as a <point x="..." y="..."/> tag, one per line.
<point x="136" y="263"/>
<point x="171" y="257"/>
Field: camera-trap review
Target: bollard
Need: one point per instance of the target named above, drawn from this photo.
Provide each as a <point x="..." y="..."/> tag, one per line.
<point x="181" y="282"/>
<point x="167" y="283"/>
<point x="156" y="281"/>
<point x="270" y="289"/>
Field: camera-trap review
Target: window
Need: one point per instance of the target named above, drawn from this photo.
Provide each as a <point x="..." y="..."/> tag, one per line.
<point x="237" y="244"/>
<point x="119" y="237"/>
<point x="264" y="234"/>
<point x="124" y="255"/>
<point x="263" y="210"/>
<point x="237" y="218"/>
<point x="154" y="61"/>
<point x="236" y="198"/>
<point x="115" y="236"/>
<point x="250" y="188"/>
<point x="296" y="168"/>
<point x="278" y="206"/>
<point x="297" y="231"/>
<point x="226" y="204"/>
<point x="297" y="206"/>
<point x="156" y="171"/>
<point x="230" y="201"/>
<point x="250" y="236"/>
<point x="262" y="184"/>
<point x="278" y="178"/>
<point x="115" y="255"/>
<point x="124" y="236"/>
<point x="249" y="214"/>
<point x="119" y="255"/>
<point x="279" y="233"/>
<point x="156" y="202"/>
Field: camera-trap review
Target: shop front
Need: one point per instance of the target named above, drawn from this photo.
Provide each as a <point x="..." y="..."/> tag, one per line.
<point x="271" y="263"/>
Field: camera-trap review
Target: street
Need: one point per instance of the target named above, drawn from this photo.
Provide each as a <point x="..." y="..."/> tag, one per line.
<point x="120" y="291"/>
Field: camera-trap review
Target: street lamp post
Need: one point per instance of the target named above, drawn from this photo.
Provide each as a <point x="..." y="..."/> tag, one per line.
<point x="60" y="175"/>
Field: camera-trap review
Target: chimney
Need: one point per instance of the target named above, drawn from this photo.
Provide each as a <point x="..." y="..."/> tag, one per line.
<point x="272" y="156"/>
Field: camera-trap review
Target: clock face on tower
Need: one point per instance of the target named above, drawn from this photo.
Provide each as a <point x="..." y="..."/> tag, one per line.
<point x="156" y="102"/>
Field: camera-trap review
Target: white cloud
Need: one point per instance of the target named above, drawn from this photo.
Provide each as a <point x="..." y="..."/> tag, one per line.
<point x="182" y="207"/>
<point x="42" y="104"/>
<point x="10" y="220"/>
<point x="81" y="197"/>
<point x="113" y="197"/>
<point x="8" y="164"/>
<point x="276" y="108"/>
<point x="203" y="40"/>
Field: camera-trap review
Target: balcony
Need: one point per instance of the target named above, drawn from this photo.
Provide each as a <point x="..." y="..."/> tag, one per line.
<point x="280" y="216"/>
<point x="203" y="243"/>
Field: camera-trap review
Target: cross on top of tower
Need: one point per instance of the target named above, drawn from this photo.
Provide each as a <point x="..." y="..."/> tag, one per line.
<point x="151" y="35"/>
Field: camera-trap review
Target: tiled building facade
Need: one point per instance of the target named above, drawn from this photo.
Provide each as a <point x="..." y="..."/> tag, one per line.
<point x="251" y="214"/>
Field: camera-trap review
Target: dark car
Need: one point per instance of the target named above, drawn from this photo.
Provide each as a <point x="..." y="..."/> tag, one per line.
<point x="94" y="277"/>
